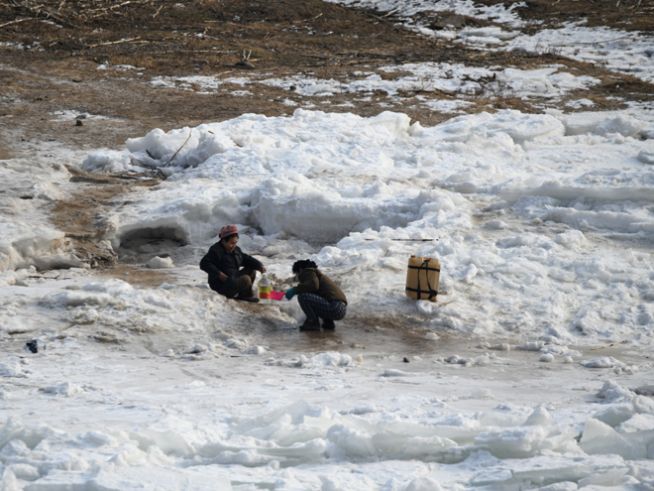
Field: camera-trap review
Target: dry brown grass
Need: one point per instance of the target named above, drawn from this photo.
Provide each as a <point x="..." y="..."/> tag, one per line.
<point x="209" y="37"/>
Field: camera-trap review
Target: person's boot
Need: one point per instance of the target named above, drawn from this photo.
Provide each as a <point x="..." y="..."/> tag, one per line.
<point x="328" y="325"/>
<point x="310" y="326"/>
<point x="252" y="298"/>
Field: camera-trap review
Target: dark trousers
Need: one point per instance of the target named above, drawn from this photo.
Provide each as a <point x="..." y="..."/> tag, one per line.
<point x="315" y="306"/>
<point x="239" y="285"/>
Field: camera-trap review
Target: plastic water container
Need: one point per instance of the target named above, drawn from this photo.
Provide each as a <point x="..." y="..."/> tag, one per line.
<point x="265" y="289"/>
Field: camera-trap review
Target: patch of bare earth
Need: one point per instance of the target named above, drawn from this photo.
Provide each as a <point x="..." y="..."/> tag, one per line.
<point x="99" y="57"/>
<point x="81" y="217"/>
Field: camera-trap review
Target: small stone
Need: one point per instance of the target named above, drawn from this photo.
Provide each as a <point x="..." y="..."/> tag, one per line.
<point x="244" y="64"/>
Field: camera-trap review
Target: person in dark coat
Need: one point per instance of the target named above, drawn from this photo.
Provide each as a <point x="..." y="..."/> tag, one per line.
<point x="318" y="296"/>
<point x="231" y="272"/>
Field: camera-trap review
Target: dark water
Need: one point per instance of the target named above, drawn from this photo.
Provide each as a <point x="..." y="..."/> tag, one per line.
<point x="402" y="336"/>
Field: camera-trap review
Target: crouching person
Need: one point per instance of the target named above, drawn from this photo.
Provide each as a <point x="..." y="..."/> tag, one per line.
<point x="231" y="271"/>
<point x="318" y="296"/>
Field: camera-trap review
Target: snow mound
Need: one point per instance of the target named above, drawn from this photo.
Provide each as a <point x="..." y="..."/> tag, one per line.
<point x="65" y="389"/>
<point x="600" y="438"/>
<point x="646" y="157"/>
<point x="110" y="161"/>
<point x="24" y="245"/>
<point x="613" y="392"/>
<point x="12" y="368"/>
<point x="320" y="360"/>
<point x="602" y="362"/>
<point x="603" y="124"/>
<point x="509" y="202"/>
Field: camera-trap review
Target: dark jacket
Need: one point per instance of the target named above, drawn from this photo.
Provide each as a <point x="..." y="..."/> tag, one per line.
<point x="218" y="259"/>
<point x="314" y="281"/>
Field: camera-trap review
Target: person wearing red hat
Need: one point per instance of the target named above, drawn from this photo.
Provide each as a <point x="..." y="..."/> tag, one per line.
<point x="231" y="272"/>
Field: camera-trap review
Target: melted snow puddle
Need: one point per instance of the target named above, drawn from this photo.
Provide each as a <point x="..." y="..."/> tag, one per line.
<point x="349" y="336"/>
<point x="398" y="340"/>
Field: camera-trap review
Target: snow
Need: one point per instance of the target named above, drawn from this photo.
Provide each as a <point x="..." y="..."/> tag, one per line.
<point x="548" y="82"/>
<point x="444" y="77"/>
<point x="531" y="371"/>
<point x="622" y="51"/>
<point x="330" y="436"/>
<point x="458" y="84"/>
<point x="497" y="13"/>
<point x="206" y="84"/>
<point x="71" y="115"/>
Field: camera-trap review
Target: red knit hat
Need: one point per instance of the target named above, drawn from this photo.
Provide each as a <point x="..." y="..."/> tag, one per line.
<point x="227" y="231"/>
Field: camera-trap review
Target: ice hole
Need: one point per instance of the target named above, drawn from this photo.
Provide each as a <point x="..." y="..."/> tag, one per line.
<point x="151" y="241"/>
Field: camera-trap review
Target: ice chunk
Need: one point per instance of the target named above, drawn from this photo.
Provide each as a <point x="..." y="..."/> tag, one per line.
<point x="645" y="390"/>
<point x="331" y="359"/>
<point x="514" y="442"/>
<point x="393" y="372"/>
<point x="602" y="124"/>
<point x="26" y="472"/>
<point x="615" y="414"/>
<point x="612" y="392"/>
<point x="602" y="362"/>
<point x="600" y="438"/>
<point x="170" y="441"/>
<point x="606" y="478"/>
<point x="107" y="161"/>
<point x="12" y="368"/>
<point x="346" y="442"/>
<point x="423" y="484"/>
<point x="646" y="157"/>
<point x="539" y="417"/>
<point x="560" y="486"/>
<point x="158" y="262"/>
<point x="639" y="423"/>
<point x="64" y="389"/>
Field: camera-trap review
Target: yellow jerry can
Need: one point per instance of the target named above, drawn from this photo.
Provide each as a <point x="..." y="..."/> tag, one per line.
<point x="422" y="278"/>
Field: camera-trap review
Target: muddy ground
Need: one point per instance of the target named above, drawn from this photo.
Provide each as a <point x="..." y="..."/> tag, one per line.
<point x="99" y="57"/>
